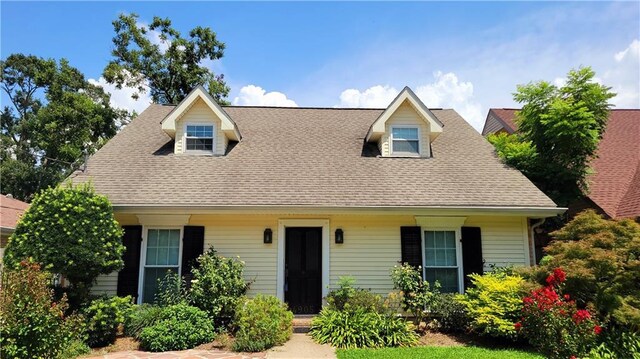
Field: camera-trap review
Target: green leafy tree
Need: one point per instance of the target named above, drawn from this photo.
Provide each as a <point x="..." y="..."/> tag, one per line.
<point x="157" y="57"/>
<point x="55" y="117"/>
<point x="71" y="231"/>
<point x="559" y="129"/>
<point x="601" y="259"/>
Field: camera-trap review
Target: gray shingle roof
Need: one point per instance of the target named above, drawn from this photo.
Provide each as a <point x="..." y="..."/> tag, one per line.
<point x="305" y="157"/>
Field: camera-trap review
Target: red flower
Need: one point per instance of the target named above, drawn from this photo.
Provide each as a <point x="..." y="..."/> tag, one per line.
<point x="560" y="275"/>
<point x="566" y="297"/>
<point x="581" y="315"/>
<point x="572" y="357"/>
<point x="551" y="279"/>
<point x="517" y="326"/>
<point x="597" y="329"/>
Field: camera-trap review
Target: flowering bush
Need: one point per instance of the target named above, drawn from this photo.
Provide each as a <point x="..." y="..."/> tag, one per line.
<point x="553" y="323"/>
<point x="417" y="296"/>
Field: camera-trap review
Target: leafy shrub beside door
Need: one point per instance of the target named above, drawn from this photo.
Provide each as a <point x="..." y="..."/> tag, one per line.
<point x="103" y="317"/>
<point x="263" y="322"/>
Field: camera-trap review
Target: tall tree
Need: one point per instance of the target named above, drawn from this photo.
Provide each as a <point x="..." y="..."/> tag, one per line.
<point x="559" y="129"/>
<point x="157" y="57"/>
<point x="55" y="117"/>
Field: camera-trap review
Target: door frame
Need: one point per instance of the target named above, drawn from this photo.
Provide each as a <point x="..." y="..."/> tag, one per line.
<point x="282" y="225"/>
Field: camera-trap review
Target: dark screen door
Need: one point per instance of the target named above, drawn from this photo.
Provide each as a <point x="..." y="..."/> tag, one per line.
<point x="303" y="269"/>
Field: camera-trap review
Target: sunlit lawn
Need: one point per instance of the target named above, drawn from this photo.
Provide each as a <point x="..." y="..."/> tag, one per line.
<point x="436" y="353"/>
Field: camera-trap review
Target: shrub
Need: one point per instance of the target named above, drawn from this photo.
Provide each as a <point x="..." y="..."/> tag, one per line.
<point x="494" y="303"/>
<point x="417" y="296"/>
<point x="554" y="325"/>
<point x="602" y="261"/>
<point x="347" y="297"/>
<point x="217" y="286"/>
<point x="140" y="317"/>
<point x="179" y="327"/>
<point x="263" y="322"/>
<point x="70" y="231"/>
<point x="617" y="344"/>
<point x="361" y="329"/>
<point x="103" y="317"/>
<point x="450" y="315"/>
<point x="172" y="290"/>
<point x="75" y="349"/>
<point x="32" y="325"/>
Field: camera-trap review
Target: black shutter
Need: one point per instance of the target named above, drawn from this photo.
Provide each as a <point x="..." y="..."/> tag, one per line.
<point x="130" y="273"/>
<point x="192" y="248"/>
<point x="472" y="261"/>
<point x="411" y="245"/>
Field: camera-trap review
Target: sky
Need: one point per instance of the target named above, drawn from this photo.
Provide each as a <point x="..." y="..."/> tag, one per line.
<point x="469" y="56"/>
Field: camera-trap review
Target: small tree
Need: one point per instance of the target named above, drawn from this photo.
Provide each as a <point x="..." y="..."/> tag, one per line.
<point x="70" y="231"/>
<point x="602" y="262"/>
<point x="559" y="129"/>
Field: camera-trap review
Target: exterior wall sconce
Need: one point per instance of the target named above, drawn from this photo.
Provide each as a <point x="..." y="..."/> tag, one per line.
<point x="339" y="236"/>
<point x="268" y="236"/>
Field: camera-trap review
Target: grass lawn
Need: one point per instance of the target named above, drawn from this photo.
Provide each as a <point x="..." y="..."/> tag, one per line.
<point x="436" y="353"/>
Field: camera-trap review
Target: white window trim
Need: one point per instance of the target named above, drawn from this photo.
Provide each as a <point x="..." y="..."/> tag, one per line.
<point x="213" y="139"/>
<point x="143" y="256"/>
<point x="405" y="154"/>
<point x="282" y="225"/>
<point x="458" y="236"/>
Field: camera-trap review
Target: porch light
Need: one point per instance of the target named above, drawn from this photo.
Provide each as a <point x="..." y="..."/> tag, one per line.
<point x="339" y="236"/>
<point x="268" y="236"/>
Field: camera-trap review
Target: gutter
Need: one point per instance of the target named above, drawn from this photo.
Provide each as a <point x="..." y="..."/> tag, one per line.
<point x="532" y="246"/>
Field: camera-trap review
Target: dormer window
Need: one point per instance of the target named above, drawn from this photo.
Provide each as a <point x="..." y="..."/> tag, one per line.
<point x="199" y="138"/>
<point x="405" y="141"/>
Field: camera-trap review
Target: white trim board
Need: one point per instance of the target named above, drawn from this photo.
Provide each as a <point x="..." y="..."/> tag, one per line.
<point x="282" y="225"/>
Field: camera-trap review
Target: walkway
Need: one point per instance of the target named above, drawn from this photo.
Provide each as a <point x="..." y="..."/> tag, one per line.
<point x="303" y="347"/>
<point x="184" y="354"/>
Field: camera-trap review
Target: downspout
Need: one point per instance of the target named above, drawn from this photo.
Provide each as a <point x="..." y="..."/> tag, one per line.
<point x="532" y="246"/>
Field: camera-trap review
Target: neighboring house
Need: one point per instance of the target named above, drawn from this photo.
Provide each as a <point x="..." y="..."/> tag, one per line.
<point x="306" y="195"/>
<point x="10" y="211"/>
<point x="614" y="186"/>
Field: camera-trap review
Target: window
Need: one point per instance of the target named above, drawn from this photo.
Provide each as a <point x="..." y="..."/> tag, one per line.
<point x="405" y="141"/>
<point x="162" y="255"/>
<point x="199" y="138"/>
<point x="441" y="259"/>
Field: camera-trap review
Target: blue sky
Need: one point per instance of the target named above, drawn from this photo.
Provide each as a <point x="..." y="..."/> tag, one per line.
<point x="469" y="56"/>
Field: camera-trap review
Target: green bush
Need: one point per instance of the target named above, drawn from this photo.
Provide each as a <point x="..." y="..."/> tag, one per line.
<point x="217" y="286"/>
<point x="70" y="231"/>
<point x="179" y="327"/>
<point x="263" y="322"/>
<point x="494" y="303"/>
<point x="172" y="289"/>
<point x="32" y="325"/>
<point x="103" y="317"/>
<point x="347" y="297"/>
<point x="361" y="329"/>
<point x="140" y="317"/>
<point x="449" y="314"/>
<point x="618" y="344"/>
<point x="75" y="349"/>
<point x="417" y="295"/>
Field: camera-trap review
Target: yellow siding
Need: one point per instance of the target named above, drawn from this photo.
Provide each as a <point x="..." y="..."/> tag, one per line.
<point x="200" y="113"/>
<point x="406" y="115"/>
<point x="106" y="284"/>
<point x="371" y="246"/>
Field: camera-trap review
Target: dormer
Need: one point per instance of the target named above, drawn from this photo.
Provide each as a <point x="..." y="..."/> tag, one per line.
<point x="200" y="126"/>
<point x="406" y="128"/>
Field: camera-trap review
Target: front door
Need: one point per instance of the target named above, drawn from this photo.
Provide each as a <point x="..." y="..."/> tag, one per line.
<point x="303" y="269"/>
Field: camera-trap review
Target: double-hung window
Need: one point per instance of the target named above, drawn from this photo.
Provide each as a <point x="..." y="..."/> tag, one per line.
<point x="405" y="141"/>
<point x="199" y="138"/>
<point x="441" y="259"/>
<point x="162" y="255"/>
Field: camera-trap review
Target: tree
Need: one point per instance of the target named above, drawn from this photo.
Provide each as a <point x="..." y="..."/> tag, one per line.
<point x="169" y="65"/>
<point x="601" y="259"/>
<point x="56" y="117"/>
<point x="70" y="231"/>
<point x="559" y="129"/>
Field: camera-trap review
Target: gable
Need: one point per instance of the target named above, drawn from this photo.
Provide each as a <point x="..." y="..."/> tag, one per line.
<point x="200" y="114"/>
<point x="227" y="125"/>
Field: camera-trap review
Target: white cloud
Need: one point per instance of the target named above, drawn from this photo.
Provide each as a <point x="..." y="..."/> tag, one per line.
<point x="624" y="76"/>
<point x="252" y="95"/>
<point x="376" y="96"/>
<point x="121" y="98"/>
<point x="154" y="36"/>
<point x="446" y="91"/>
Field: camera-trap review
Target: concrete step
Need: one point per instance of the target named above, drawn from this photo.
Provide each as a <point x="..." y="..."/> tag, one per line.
<point x="302" y="323"/>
